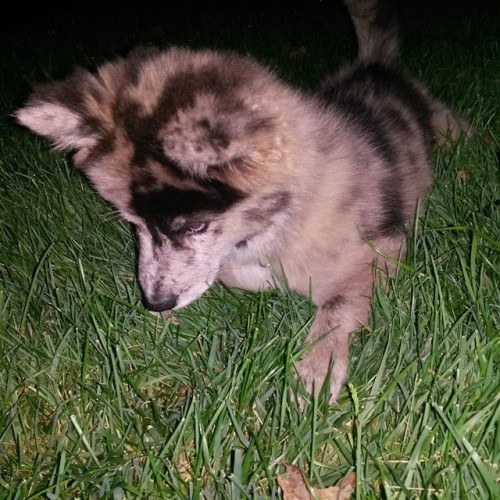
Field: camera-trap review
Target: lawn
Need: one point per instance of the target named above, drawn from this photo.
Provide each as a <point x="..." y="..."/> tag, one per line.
<point x="100" y="399"/>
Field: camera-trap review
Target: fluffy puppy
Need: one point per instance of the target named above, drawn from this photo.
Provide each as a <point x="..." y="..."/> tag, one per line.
<point x="229" y="174"/>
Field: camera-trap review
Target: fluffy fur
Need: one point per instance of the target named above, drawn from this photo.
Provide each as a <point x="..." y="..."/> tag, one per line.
<point x="228" y="174"/>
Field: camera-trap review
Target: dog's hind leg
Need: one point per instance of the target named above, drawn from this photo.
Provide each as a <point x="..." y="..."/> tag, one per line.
<point x="448" y="124"/>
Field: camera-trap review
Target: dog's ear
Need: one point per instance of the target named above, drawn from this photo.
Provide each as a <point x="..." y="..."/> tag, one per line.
<point x="73" y="113"/>
<point x="213" y="133"/>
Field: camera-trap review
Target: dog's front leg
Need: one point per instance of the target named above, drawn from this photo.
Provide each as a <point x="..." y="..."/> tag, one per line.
<point x="328" y="357"/>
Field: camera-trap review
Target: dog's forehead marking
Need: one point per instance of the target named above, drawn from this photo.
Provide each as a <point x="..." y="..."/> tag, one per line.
<point x="160" y="207"/>
<point x="165" y="208"/>
<point x="172" y="201"/>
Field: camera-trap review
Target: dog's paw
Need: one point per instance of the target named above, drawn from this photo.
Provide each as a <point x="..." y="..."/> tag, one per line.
<point x="320" y="370"/>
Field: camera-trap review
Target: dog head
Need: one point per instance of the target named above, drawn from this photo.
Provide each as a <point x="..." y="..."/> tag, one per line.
<point x="187" y="146"/>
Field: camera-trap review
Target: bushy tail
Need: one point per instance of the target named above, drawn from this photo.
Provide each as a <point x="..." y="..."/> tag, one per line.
<point x="376" y="29"/>
<point x="377" y="33"/>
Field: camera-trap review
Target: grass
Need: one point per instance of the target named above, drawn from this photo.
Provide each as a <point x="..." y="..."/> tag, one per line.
<point x="99" y="399"/>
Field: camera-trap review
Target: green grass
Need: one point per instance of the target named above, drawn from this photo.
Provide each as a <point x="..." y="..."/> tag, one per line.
<point x="99" y="399"/>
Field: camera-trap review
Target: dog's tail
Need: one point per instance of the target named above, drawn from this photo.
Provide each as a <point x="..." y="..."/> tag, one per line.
<point x="376" y="26"/>
<point x="376" y="30"/>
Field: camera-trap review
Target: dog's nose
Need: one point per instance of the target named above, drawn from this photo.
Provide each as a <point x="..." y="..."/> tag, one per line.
<point x="162" y="304"/>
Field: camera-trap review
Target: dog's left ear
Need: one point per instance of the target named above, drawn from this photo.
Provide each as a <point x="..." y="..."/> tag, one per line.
<point x="211" y="133"/>
<point x="72" y="113"/>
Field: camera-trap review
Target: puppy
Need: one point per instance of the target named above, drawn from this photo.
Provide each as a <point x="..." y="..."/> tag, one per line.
<point x="229" y="174"/>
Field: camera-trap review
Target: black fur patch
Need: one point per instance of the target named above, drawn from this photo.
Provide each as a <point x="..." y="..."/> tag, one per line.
<point x="136" y="60"/>
<point x="371" y="124"/>
<point x="182" y="89"/>
<point x="218" y="137"/>
<point x="242" y="244"/>
<point x="105" y="146"/>
<point x="158" y="208"/>
<point x="393" y="214"/>
<point x="391" y="211"/>
<point x="334" y="303"/>
<point x="141" y="132"/>
<point x="355" y="95"/>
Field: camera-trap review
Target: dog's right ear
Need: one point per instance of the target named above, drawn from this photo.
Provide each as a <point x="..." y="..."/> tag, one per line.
<point x="73" y="113"/>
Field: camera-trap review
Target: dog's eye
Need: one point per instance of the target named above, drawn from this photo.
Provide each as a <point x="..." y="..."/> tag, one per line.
<point x="197" y="228"/>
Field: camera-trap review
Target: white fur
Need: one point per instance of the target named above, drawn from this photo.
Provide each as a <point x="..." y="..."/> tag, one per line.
<point x="60" y="124"/>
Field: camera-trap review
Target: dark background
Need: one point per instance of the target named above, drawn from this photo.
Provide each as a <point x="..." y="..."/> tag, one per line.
<point x="303" y="40"/>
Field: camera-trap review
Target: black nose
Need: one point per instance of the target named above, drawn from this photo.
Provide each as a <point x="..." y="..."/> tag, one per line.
<point x="162" y="304"/>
